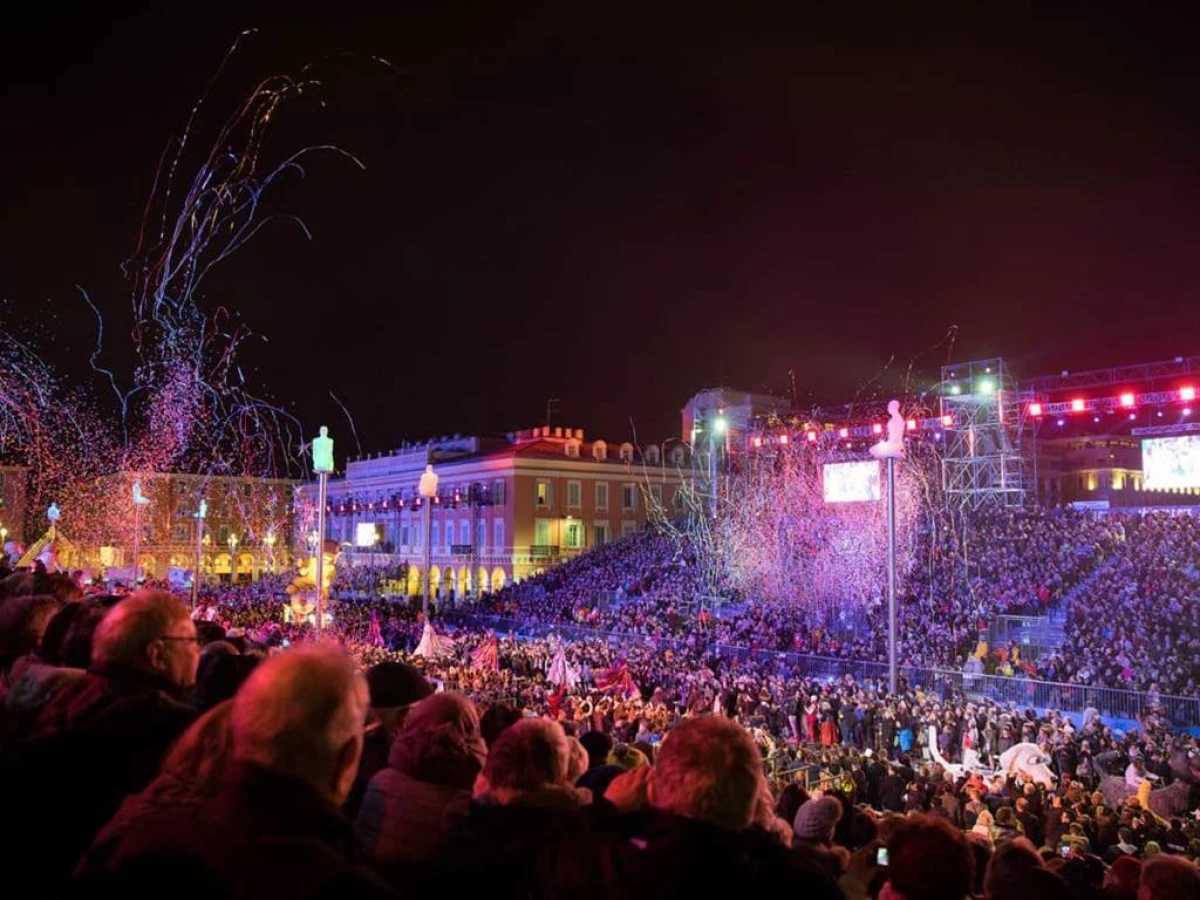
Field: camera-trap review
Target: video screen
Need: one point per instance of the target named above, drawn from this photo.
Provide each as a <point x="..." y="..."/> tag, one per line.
<point x="851" y="482"/>
<point x="1169" y="463"/>
<point x="365" y="534"/>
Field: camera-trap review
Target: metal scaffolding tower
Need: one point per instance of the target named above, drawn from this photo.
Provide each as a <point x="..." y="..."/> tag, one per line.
<point x="982" y="463"/>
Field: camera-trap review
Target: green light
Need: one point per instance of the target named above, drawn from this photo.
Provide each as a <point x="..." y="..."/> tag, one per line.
<point x="955" y="390"/>
<point x="987" y="386"/>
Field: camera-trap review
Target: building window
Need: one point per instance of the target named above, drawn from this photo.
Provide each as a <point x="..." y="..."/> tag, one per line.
<point x="601" y="495"/>
<point x="481" y="534"/>
<point x="498" y="534"/>
<point x="599" y="533"/>
<point x="179" y="534"/>
<point x="656" y="495"/>
<point x="147" y="533"/>
<point x="629" y="497"/>
<point x="678" y="499"/>
<point x="449" y="535"/>
<point x="628" y="528"/>
<point x="573" y="449"/>
<point x="404" y="535"/>
<point x="543" y="493"/>
<point x="498" y="493"/>
<point x="434" y="533"/>
<point x="541" y="533"/>
<point x="626" y="452"/>
<point x="574" y="494"/>
<point x="599" y="451"/>
<point x="574" y="535"/>
<point x="464" y="532"/>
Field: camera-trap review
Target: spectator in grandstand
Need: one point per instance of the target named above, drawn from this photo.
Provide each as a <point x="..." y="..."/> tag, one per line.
<point x="431" y="770"/>
<point x="102" y="735"/>
<point x="274" y="824"/>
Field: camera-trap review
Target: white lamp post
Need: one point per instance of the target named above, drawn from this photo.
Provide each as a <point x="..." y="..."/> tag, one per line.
<point x="139" y="500"/>
<point x="233" y="542"/>
<point x="200" y="515"/>
<point x="427" y="488"/>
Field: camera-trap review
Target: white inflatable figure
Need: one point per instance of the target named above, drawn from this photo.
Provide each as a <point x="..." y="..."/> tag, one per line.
<point x="432" y="644"/>
<point x="1028" y="759"/>
<point x="139" y="498"/>
<point x="562" y="673"/>
<point x="893" y="447"/>
<point x="427" y="487"/>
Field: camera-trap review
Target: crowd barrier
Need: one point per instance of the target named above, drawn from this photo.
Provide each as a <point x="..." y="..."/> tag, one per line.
<point x="1112" y="703"/>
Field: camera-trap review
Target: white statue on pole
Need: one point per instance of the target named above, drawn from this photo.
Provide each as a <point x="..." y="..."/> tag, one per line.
<point x="427" y="487"/>
<point x="53" y="514"/>
<point x="139" y="498"/>
<point x="893" y="447"/>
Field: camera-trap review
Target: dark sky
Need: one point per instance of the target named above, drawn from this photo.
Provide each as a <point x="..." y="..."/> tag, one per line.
<point x="619" y="207"/>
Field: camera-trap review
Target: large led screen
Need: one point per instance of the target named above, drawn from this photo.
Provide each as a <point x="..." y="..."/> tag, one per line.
<point x="851" y="482"/>
<point x="1169" y="463"/>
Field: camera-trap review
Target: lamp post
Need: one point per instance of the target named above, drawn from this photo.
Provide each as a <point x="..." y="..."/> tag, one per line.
<point x="427" y="488"/>
<point x="233" y="542"/>
<point x="139" y="500"/>
<point x="717" y="431"/>
<point x="322" y="450"/>
<point x="200" y="515"/>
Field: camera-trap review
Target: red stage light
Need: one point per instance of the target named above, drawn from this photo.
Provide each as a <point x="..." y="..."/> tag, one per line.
<point x="1127" y="400"/>
<point x="1035" y="409"/>
<point x="1187" y="393"/>
<point x="1077" y="405"/>
<point x="812" y="437"/>
<point x="783" y="439"/>
<point x="947" y="421"/>
<point x="877" y="428"/>
<point x="912" y="424"/>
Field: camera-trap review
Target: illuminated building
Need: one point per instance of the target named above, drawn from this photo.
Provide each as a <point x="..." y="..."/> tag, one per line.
<point x="247" y="532"/>
<point x="507" y="507"/>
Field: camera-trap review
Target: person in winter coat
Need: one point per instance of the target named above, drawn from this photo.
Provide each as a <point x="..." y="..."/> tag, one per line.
<point x="408" y="807"/>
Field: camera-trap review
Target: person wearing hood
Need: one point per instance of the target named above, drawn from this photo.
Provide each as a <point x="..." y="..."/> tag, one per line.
<point x="431" y="769"/>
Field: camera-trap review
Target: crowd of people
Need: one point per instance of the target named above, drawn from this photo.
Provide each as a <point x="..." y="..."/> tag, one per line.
<point x="143" y="747"/>
<point x="1136" y="625"/>
<point x="140" y="738"/>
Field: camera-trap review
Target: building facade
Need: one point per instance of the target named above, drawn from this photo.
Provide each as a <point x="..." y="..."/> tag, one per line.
<point x="246" y="533"/>
<point x="507" y="508"/>
<point x="14" y="487"/>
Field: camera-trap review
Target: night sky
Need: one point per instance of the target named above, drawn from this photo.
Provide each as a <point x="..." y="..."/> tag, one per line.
<point x="620" y="207"/>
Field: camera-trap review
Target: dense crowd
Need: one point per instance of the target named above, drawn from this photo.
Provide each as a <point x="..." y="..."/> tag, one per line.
<point x="1132" y="581"/>
<point x="141" y="746"/>
<point x="1136" y="625"/>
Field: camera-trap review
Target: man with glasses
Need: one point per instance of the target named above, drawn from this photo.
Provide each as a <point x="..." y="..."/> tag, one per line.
<point x="102" y="736"/>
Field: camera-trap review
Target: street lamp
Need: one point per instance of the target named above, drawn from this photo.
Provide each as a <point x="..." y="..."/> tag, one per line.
<point x="427" y="488"/>
<point x="233" y="542"/>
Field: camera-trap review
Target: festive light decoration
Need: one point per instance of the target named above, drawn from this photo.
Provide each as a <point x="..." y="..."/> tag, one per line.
<point x="186" y="404"/>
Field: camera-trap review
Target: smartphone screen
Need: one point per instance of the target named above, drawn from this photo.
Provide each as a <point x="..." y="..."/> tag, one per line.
<point x="881" y="856"/>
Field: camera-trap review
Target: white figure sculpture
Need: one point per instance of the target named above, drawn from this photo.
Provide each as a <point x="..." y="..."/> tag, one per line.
<point x="893" y="447"/>
<point x="139" y="498"/>
<point x="53" y="514"/>
<point x="429" y="482"/>
<point x="322" y="449"/>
